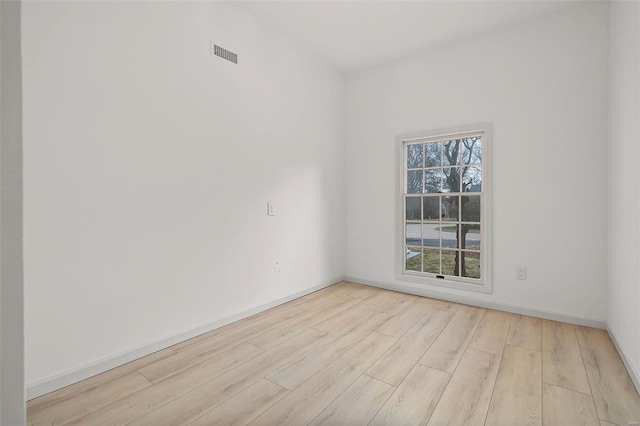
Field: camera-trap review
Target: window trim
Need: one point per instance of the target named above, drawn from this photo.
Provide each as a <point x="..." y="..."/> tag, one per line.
<point x="486" y="281"/>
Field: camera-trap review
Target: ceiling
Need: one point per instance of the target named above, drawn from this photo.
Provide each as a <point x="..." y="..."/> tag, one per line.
<point x="352" y="35"/>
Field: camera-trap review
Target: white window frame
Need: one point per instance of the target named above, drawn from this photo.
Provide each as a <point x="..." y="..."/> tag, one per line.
<point x="485" y="283"/>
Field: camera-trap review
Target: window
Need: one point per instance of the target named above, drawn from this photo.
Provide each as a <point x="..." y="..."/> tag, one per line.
<point x="444" y="226"/>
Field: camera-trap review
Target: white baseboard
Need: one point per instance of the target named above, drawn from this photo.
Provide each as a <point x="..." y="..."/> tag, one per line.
<point x="633" y="373"/>
<point x="470" y="300"/>
<point x="66" y="378"/>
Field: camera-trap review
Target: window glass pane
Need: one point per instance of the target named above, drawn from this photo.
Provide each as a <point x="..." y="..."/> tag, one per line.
<point x="413" y="259"/>
<point x="432" y="180"/>
<point x="471" y="208"/>
<point x="471" y="265"/>
<point x="413" y="208"/>
<point x="471" y="236"/>
<point x="450" y="208"/>
<point x="472" y="150"/>
<point x="431" y="235"/>
<point x="414" y="181"/>
<point x="451" y="181"/>
<point x="449" y="234"/>
<point x="449" y="264"/>
<point x="451" y="152"/>
<point x="413" y="234"/>
<point x="431" y="261"/>
<point x="414" y="156"/>
<point x="431" y="208"/>
<point x="432" y="154"/>
<point x="472" y="179"/>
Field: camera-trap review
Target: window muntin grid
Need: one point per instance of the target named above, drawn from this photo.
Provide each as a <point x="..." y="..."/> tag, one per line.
<point x="442" y="205"/>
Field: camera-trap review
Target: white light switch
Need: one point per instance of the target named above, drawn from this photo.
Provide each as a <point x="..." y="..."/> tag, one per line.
<point x="270" y="210"/>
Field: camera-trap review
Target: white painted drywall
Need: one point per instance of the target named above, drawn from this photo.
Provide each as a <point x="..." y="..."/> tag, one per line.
<point x="624" y="162"/>
<point x="148" y="168"/>
<point x="543" y="85"/>
<point x="12" y="400"/>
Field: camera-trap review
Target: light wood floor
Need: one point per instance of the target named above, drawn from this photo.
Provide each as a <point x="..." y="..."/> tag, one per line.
<point x="356" y="355"/>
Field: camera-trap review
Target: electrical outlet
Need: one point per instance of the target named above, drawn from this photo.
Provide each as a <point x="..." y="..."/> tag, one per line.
<point x="521" y="272"/>
<point x="270" y="210"/>
<point x="276" y="267"/>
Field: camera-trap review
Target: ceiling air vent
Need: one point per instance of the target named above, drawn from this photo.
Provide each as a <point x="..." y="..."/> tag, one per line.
<point x="225" y="54"/>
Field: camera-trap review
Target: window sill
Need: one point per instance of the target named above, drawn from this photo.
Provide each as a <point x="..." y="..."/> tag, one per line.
<point x="480" y="287"/>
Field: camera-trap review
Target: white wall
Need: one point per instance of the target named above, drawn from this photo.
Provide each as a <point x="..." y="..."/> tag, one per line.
<point x="12" y="406"/>
<point x="148" y="166"/>
<point x="543" y="84"/>
<point x="623" y="210"/>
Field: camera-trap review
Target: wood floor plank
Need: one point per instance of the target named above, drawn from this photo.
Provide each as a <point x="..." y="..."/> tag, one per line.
<point x="357" y="405"/>
<point x="525" y="332"/>
<point x="561" y="359"/>
<point x="613" y="392"/>
<point x="605" y="423"/>
<point x="346" y="284"/>
<point x="517" y="396"/>
<point x="299" y="370"/>
<point x="466" y="399"/>
<point x="334" y="292"/>
<point x="287" y="310"/>
<point x="341" y="289"/>
<point x="89" y="401"/>
<point x="245" y="322"/>
<point x="398" y="361"/>
<point x="243" y="408"/>
<point x="194" y="404"/>
<point x="404" y="300"/>
<point x="344" y="319"/>
<point x="311" y="398"/>
<point x="445" y="353"/>
<point x="100" y="380"/>
<point x="172" y="365"/>
<point x="390" y="302"/>
<point x="276" y="336"/>
<point x="400" y="323"/>
<point x="143" y="402"/>
<point x="258" y="323"/>
<point x="415" y="399"/>
<point x="181" y="360"/>
<point x="564" y="407"/>
<point x="443" y="305"/>
<point x="491" y="334"/>
<point x="364" y="292"/>
<point x="195" y="341"/>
